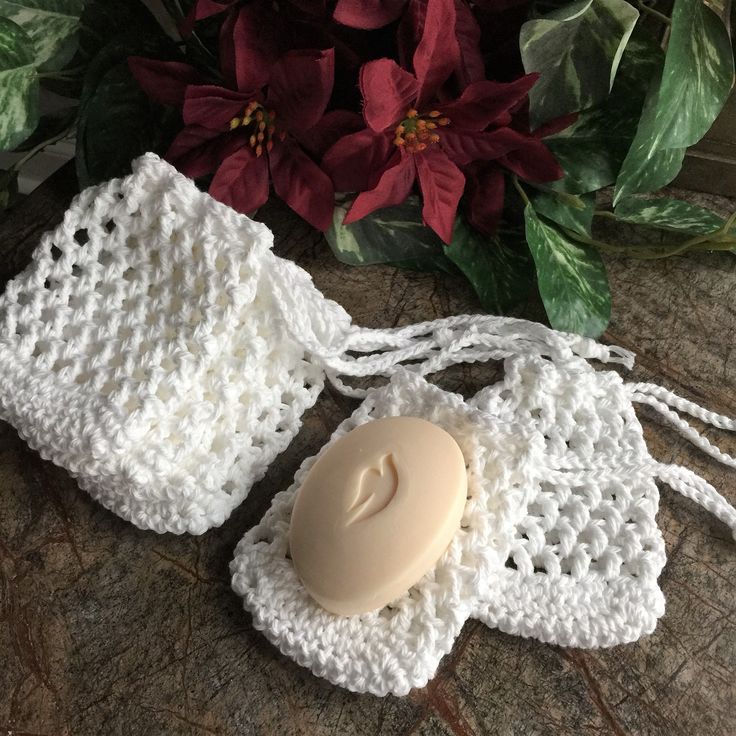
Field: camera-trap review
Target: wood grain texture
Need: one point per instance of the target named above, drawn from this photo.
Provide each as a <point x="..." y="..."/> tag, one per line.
<point x="106" y="629"/>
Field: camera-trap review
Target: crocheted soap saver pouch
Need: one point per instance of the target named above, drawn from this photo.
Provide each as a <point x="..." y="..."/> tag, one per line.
<point x="558" y="540"/>
<point x="159" y="351"/>
<point x="146" y="350"/>
<point x="398" y="647"/>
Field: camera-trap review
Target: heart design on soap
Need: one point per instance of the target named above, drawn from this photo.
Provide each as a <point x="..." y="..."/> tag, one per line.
<point x="376" y="489"/>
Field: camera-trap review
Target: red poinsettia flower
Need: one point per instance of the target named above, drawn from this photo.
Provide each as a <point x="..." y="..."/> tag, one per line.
<point x="246" y="136"/>
<point x="533" y="162"/>
<point x="255" y="33"/>
<point x="409" y="137"/>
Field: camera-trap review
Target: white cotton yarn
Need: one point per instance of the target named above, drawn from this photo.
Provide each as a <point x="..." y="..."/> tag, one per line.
<point x="147" y="349"/>
<point x="159" y="351"/>
<point x="398" y="647"/>
<point x="559" y="540"/>
<point x="586" y="554"/>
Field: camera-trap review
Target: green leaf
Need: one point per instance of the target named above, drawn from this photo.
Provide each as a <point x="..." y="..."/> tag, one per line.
<point x="577" y="50"/>
<point x="501" y="275"/>
<point x="393" y="235"/>
<point x="18" y="85"/>
<point x="647" y="167"/>
<point x="117" y="122"/>
<point x="575" y="213"/>
<point x="52" y="26"/>
<point x="682" y="104"/>
<point x="572" y="278"/>
<point x="592" y="150"/>
<point x="49" y="126"/>
<point x="669" y="214"/>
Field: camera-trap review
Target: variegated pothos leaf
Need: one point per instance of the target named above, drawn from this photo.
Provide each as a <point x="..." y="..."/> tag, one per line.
<point x="52" y="26"/>
<point x="575" y="213"/>
<point x="18" y="85"/>
<point x="572" y="278"/>
<point x="577" y="50"/>
<point x="683" y="103"/>
<point x="390" y="235"/>
<point x="669" y="214"/>
<point x="592" y="150"/>
<point x="501" y="273"/>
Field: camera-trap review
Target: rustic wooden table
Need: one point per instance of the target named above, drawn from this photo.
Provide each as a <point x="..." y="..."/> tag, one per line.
<point x="106" y="629"/>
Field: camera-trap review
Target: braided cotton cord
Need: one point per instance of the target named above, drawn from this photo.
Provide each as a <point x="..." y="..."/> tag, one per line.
<point x="692" y="486"/>
<point x="670" y="398"/>
<point x="432" y="346"/>
<point x="682" y="479"/>
<point x="661" y="399"/>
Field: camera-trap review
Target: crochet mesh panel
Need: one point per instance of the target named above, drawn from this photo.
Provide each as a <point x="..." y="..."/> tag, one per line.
<point x="586" y="555"/>
<point x="398" y="647"/>
<point x="143" y="350"/>
<point x="558" y="541"/>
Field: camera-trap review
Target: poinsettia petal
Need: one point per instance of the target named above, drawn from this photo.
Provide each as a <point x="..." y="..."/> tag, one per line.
<point x="466" y="146"/>
<point x="241" y="181"/>
<point x="333" y="126"/>
<point x="198" y="151"/>
<point x="482" y="103"/>
<point x="213" y="107"/>
<point x="302" y="184"/>
<point x="355" y="163"/>
<point x="485" y="184"/>
<point x="388" y="92"/>
<point x="249" y="46"/>
<point x="163" y="81"/>
<point x="438" y="53"/>
<point x="188" y="151"/>
<point x="300" y="87"/>
<point x="393" y="187"/>
<point x="533" y="162"/>
<point x="367" y="14"/>
<point x="442" y="185"/>
<point x="471" y="67"/>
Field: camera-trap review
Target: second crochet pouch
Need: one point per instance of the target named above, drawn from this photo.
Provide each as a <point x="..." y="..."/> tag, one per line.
<point x="558" y="540"/>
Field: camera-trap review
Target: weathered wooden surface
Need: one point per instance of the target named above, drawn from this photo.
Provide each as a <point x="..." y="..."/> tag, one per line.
<point x="106" y="630"/>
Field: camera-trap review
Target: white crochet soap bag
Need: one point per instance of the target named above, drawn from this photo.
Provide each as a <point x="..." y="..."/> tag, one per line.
<point x="558" y="540"/>
<point x="148" y="349"/>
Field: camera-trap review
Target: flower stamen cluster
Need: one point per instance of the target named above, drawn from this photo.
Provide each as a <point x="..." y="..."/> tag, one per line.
<point x="415" y="132"/>
<point x="261" y="123"/>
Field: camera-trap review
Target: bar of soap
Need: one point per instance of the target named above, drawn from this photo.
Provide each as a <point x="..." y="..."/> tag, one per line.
<point x="376" y="512"/>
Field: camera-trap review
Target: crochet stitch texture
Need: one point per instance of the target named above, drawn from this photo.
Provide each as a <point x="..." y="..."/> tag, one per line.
<point x="147" y="349"/>
<point x="558" y="540"/>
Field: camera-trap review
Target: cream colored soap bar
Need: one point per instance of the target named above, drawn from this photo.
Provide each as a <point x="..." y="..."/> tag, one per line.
<point x="376" y="512"/>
